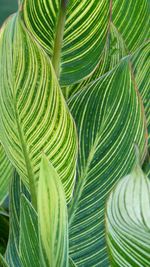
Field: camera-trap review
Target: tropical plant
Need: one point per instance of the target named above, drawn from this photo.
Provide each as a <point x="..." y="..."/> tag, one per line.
<point x="74" y="101"/>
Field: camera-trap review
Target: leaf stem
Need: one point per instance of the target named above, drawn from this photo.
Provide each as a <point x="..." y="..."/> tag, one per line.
<point x="59" y="37"/>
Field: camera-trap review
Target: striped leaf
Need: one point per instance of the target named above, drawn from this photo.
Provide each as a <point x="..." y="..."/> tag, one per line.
<point x="12" y="253"/>
<point x="109" y="120"/>
<point x="82" y="25"/>
<point x="29" y="242"/>
<point x="6" y="172"/>
<point x="132" y="20"/>
<point x="128" y="221"/>
<point x="33" y="112"/>
<point x="53" y="221"/>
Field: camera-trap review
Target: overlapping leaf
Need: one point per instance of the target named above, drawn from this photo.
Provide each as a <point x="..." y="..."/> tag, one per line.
<point x="113" y="52"/>
<point x="128" y="221"/>
<point x="85" y="32"/>
<point x="53" y="219"/>
<point x="109" y="120"/>
<point x="33" y="112"/>
<point x="6" y="172"/>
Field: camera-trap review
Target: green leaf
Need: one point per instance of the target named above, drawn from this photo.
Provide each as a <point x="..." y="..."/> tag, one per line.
<point x="109" y="119"/>
<point x="53" y="221"/>
<point x="29" y="242"/>
<point x="6" y="172"/>
<point x="128" y="221"/>
<point x="12" y="253"/>
<point x="34" y="116"/>
<point x="85" y="32"/>
<point x="132" y="20"/>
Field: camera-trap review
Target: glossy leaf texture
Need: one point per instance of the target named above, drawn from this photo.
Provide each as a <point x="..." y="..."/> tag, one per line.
<point x="29" y="239"/>
<point x="85" y="32"/>
<point x="12" y="254"/>
<point x="6" y="173"/>
<point x="34" y="116"/>
<point x="53" y="219"/>
<point x="128" y="221"/>
<point x="109" y="119"/>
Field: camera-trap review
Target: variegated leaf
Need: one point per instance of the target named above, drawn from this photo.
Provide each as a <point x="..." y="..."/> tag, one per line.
<point x="34" y="116"/>
<point x="109" y="119"/>
<point x="53" y="219"/>
<point x="128" y="221"/>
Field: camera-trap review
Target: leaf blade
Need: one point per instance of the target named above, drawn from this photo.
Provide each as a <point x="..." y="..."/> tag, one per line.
<point x="34" y="115"/>
<point x="53" y="222"/>
<point x="127" y="220"/>
<point x="104" y="114"/>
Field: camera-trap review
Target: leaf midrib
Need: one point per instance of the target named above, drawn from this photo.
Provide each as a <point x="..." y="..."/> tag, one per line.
<point x="81" y="182"/>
